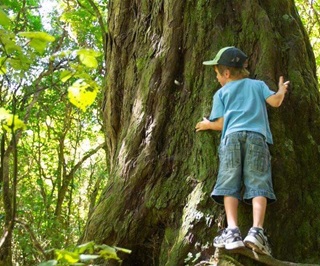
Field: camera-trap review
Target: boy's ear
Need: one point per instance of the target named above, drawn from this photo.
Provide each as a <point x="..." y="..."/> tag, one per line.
<point x="226" y="73"/>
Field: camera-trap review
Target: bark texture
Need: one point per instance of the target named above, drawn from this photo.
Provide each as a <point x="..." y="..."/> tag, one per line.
<point x="161" y="172"/>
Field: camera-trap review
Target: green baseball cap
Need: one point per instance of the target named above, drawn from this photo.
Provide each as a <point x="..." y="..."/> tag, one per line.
<point x="228" y="56"/>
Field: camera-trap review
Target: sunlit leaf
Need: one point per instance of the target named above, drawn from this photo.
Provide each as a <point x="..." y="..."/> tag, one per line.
<point x="67" y="256"/>
<point x="10" y="122"/>
<point x="4" y="114"/>
<point x="88" y="61"/>
<point x="3" y="70"/>
<point x="38" y="45"/>
<point x="85" y="247"/>
<point x="4" y="20"/>
<point x="88" y="57"/>
<point x="41" y="36"/>
<point x="81" y="94"/>
<point x="15" y="64"/>
<point x="13" y="123"/>
<point x="65" y="75"/>
<point x="11" y="46"/>
<point x="89" y="52"/>
<point x="108" y="252"/>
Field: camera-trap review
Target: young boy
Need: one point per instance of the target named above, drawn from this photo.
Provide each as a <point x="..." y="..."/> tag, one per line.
<point x="239" y="110"/>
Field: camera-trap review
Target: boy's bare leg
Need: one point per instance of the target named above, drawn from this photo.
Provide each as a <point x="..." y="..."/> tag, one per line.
<point x="259" y="206"/>
<point x="231" y="207"/>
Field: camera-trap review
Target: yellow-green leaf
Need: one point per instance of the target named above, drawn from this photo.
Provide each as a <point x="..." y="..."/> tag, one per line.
<point x="3" y="70"/>
<point x="108" y="253"/>
<point x="67" y="256"/>
<point x="41" y="36"/>
<point x="4" y="20"/>
<point x="88" y="60"/>
<point x="9" y="121"/>
<point x="81" y="95"/>
<point x="13" y="123"/>
<point x="65" y="75"/>
<point x="88" y="52"/>
<point x="4" y="114"/>
<point x="89" y="246"/>
<point x="38" y="45"/>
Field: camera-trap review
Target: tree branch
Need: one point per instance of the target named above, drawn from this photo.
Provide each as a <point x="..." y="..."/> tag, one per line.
<point x="63" y="190"/>
<point x="222" y="254"/>
<point x="33" y="237"/>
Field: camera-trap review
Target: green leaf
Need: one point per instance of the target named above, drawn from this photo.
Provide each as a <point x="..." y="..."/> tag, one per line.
<point x="85" y="247"/>
<point x="10" y="122"/>
<point x="4" y="20"/>
<point x="88" y="57"/>
<point x="81" y="94"/>
<point x="38" y="45"/>
<point x="3" y="70"/>
<point x="65" y="75"/>
<point x="11" y="46"/>
<point x="88" y="61"/>
<point x="4" y="114"/>
<point x="41" y="36"/>
<point x="15" y="64"/>
<point x="13" y="123"/>
<point x="67" y="256"/>
<point x="108" y="252"/>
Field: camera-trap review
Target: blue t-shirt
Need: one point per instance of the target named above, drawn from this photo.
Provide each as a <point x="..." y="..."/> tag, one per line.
<point x="242" y="104"/>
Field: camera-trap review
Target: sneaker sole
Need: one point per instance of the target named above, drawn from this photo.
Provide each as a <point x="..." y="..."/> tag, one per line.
<point x="218" y="245"/>
<point x="251" y="243"/>
<point x="234" y="245"/>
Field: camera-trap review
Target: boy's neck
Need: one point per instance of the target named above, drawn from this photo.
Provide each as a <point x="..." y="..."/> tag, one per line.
<point x="233" y="79"/>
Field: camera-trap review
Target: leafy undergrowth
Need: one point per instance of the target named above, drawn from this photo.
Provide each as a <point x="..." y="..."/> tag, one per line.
<point x="85" y="254"/>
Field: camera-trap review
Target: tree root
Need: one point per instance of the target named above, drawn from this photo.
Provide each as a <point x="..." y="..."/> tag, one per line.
<point x="221" y="258"/>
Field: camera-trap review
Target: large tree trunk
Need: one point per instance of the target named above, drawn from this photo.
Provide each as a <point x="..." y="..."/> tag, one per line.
<point x="161" y="172"/>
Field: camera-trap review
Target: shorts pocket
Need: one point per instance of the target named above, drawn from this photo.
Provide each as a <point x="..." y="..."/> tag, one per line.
<point x="259" y="158"/>
<point x="230" y="156"/>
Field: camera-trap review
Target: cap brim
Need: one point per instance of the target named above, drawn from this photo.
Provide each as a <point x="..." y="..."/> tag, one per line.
<point x="210" y="63"/>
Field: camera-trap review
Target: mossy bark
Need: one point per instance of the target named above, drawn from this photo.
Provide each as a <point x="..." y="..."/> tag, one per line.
<point x="161" y="172"/>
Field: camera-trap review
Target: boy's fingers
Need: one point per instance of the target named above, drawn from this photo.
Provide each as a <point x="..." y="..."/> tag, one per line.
<point x="280" y="79"/>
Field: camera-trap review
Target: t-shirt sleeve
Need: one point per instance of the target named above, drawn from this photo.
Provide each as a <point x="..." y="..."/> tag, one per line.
<point x="217" y="110"/>
<point x="266" y="91"/>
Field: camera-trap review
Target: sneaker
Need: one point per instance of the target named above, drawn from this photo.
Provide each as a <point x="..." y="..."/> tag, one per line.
<point x="257" y="241"/>
<point x="229" y="239"/>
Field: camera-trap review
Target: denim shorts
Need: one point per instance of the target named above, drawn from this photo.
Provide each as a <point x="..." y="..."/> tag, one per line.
<point x="244" y="169"/>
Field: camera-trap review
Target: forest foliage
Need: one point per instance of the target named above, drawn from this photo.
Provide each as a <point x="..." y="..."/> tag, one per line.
<point x="53" y="165"/>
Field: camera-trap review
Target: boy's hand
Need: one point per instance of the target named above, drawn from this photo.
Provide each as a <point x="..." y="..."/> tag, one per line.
<point x="276" y="99"/>
<point x="206" y="124"/>
<point x="203" y="125"/>
<point x="283" y="86"/>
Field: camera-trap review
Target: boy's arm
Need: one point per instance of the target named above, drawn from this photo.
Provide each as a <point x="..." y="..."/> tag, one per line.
<point x="276" y="99"/>
<point x="206" y="124"/>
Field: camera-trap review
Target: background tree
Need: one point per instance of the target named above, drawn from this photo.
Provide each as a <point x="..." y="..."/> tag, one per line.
<point x="161" y="173"/>
<point x="309" y="11"/>
<point x="52" y="170"/>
